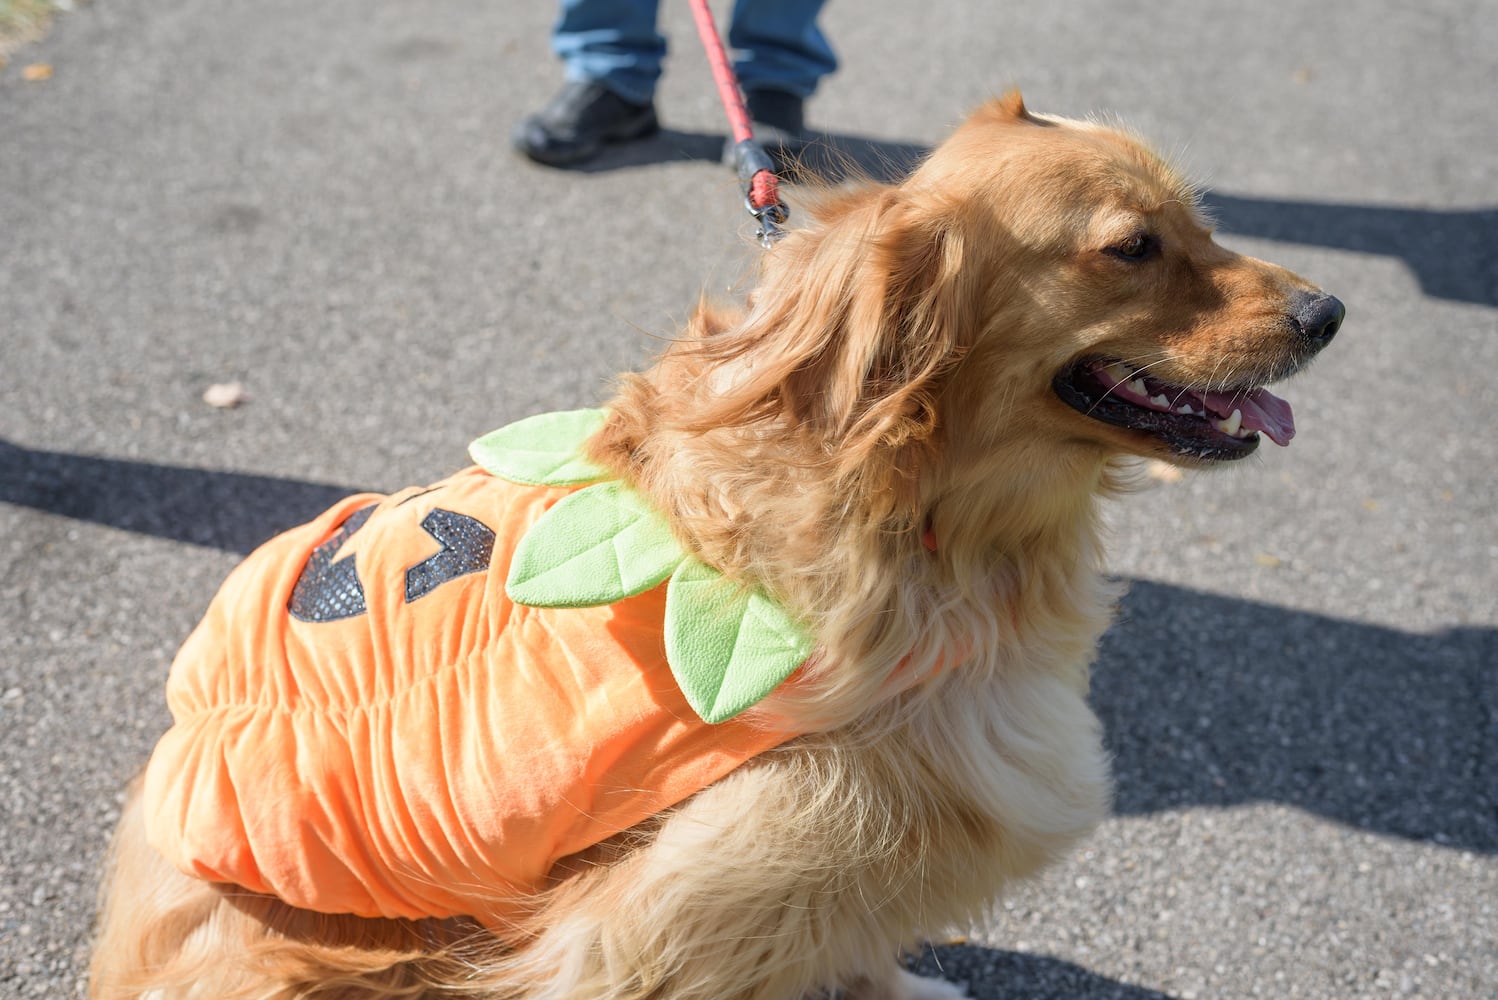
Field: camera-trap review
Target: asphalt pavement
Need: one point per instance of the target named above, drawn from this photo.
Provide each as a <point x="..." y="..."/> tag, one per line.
<point x="318" y="201"/>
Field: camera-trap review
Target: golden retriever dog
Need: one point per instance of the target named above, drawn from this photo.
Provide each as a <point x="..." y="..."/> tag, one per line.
<point x="904" y="436"/>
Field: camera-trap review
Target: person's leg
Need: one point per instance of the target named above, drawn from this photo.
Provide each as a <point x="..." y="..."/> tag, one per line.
<point x="612" y="53"/>
<point x="613" y="42"/>
<point x="778" y="46"/>
<point x="780" y="55"/>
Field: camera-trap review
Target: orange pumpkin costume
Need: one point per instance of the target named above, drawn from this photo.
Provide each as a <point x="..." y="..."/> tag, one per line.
<point x="365" y="723"/>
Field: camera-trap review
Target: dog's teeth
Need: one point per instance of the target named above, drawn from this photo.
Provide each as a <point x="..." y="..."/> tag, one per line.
<point x="1118" y="372"/>
<point x="1188" y="411"/>
<point x="1232" y="423"/>
<point x="1137" y="387"/>
<point x="1160" y="400"/>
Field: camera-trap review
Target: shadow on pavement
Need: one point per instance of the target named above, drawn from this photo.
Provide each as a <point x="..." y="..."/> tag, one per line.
<point x="231" y="511"/>
<point x="991" y="974"/>
<point x="1452" y="252"/>
<point x="1208" y="701"/>
<point x="1217" y="701"/>
<point x="828" y="157"/>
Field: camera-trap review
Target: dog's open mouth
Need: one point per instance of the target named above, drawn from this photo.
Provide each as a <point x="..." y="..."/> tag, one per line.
<point x="1195" y="423"/>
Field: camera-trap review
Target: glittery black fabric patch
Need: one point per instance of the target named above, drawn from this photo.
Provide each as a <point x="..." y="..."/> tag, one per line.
<point x="326" y="590"/>
<point x="467" y="546"/>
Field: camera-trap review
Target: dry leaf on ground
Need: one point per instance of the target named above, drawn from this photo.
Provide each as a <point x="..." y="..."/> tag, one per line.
<point x="226" y="395"/>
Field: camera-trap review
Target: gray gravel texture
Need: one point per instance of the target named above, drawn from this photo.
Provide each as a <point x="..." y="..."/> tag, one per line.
<point x="318" y="200"/>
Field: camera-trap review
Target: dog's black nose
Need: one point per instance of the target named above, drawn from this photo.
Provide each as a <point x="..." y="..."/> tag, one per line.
<point x="1318" y="315"/>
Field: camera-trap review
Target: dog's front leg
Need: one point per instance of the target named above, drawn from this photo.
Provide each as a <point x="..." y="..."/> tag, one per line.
<point x="793" y="877"/>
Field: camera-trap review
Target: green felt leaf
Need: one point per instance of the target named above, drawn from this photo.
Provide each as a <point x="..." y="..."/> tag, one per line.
<point x="543" y="450"/>
<point x="728" y="647"/>
<point x="596" y="546"/>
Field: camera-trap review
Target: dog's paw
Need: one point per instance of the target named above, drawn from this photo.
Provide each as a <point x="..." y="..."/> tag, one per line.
<point x="908" y="986"/>
<point x="922" y="988"/>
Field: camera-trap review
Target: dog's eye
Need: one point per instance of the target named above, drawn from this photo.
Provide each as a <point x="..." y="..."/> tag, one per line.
<point x="1137" y="247"/>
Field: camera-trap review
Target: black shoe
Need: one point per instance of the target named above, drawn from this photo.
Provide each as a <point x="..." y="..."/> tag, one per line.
<point x="779" y="121"/>
<point x="577" y="123"/>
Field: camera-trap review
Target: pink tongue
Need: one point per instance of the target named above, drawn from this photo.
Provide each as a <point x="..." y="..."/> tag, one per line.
<point x="1262" y="411"/>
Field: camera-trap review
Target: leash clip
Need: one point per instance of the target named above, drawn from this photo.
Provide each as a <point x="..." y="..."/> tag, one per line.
<point x="756" y="172"/>
<point x="771" y="219"/>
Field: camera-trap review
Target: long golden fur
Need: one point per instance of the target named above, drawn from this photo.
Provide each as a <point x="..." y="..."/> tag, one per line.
<point x="876" y="439"/>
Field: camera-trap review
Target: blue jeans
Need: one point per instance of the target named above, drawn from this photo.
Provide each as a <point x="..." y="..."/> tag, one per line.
<point x="776" y="45"/>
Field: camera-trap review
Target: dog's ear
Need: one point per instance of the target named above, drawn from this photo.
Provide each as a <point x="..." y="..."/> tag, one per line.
<point x="1009" y="107"/>
<point x="897" y="330"/>
<point x="857" y="325"/>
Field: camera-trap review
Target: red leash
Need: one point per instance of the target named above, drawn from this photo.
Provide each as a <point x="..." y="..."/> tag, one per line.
<point x="754" y="166"/>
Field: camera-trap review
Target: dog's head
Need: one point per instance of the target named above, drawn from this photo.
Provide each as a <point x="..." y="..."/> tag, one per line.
<point x="1104" y="306"/>
<point x="1039" y="280"/>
